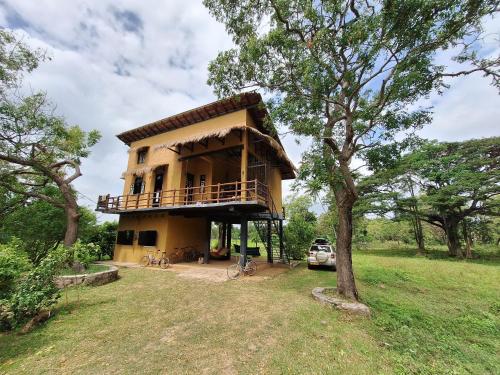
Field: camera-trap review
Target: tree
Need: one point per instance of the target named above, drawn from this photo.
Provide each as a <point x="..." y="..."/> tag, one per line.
<point x="300" y="228"/>
<point x="37" y="147"/>
<point x="40" y="225"/>
<point x="347" y="74"/>
<point x="456" y="181"/>
<point x="103" y="235"/>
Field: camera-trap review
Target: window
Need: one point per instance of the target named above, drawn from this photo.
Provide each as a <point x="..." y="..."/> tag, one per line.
<point x="147" y="238"/>
<point x="138" y="186"/>
<point x="125" y="237"/>
<point x="141" y="156"/>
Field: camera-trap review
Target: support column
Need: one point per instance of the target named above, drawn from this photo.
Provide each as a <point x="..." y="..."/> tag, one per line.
<point x="224" y="227"/>
<point x="269" y="242"/>
<point x="206" y="252"/>
<point x="228" y="239"/>
<point x="280" y="234"/>
<point x="244" y="165"/>
<point x="243" y="240"/>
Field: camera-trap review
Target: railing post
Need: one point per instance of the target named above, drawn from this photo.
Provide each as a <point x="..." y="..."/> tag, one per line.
<point x="173" y="200"/>
<point x="137" y="201"/>
<point x="218" y="192"/>
<point x="256" y="191"/>
<point x="148" y="201"/>
<point x="126" y="201"/>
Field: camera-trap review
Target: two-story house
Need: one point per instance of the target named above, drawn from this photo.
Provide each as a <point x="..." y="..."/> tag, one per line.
<point x="221" y="162"/>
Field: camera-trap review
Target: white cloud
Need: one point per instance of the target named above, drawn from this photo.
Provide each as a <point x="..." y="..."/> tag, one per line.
<point x="117" y="65"/>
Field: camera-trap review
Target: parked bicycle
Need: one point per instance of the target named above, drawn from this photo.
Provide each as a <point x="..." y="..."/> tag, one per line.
<point x="236" y="270"/>
<point x="151" y="260"/>
<point x="190" y="254"/>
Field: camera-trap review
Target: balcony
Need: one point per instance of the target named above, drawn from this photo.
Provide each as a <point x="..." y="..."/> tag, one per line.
<point x="250" y="196"/>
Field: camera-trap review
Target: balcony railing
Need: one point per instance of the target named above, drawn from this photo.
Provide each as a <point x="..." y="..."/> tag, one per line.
<point x="230" y="192"/>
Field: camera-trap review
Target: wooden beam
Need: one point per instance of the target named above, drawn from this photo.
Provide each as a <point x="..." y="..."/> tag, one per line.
<point x="205" y="153"/>
<point x="244" y="165"/>
<point x="228" y="239"/>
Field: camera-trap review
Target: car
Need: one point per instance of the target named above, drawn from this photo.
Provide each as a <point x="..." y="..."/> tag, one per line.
<point x="321" y="255"/>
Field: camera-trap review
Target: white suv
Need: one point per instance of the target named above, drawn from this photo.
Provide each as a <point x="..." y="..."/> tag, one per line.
<point x="321" y="254"/>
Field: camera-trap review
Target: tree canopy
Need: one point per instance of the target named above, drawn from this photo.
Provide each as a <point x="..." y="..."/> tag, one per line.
<point x="349" y="75"/>
<point x="37" y="147"/>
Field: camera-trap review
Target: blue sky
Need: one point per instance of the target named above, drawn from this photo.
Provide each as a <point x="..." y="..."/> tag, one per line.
<point x="116" y="65"/>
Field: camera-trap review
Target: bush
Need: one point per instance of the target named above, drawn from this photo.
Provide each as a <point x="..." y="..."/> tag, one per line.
<point x="85" y="253"/>
<point x="13" y="263"/>
<point x="33" y="291"/>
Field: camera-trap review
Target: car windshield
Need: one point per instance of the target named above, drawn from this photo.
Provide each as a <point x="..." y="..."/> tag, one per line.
<point x="321" y="248"/>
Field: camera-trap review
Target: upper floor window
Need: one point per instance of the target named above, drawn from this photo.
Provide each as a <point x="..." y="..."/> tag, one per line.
<point x="137" y="186"/>
<point x="141" y="155"/>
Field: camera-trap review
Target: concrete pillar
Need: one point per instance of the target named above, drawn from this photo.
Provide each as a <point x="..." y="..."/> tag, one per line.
<point x="269" y="245"/>
<point x="243" y="240"/>
<point x="206" y="252"/>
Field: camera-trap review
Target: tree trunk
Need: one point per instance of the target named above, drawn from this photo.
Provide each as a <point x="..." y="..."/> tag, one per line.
<point x="453" y="240"/>
<point x="72" y="214"/>
<point x="467" y="240"/>
<point x="417" y="223"/>
<point x="346" y="285"/>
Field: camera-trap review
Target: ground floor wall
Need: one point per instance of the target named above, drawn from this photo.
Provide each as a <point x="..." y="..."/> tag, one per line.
<point x="173" y="232"/>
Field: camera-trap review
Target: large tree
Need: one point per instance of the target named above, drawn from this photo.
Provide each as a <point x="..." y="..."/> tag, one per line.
<point x="37" y="147"/>
<point x="347" y="74"/>
<point x="451" y="182"/>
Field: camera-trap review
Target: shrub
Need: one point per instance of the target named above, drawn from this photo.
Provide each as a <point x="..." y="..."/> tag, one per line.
<point x="85" y="253"/>
<point x="13" y="262"/>
<point x="34" y="291"/>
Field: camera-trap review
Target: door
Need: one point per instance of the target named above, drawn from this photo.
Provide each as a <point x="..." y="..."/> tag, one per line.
<point x="158" y="187"/>
<point x="189" y="187"/>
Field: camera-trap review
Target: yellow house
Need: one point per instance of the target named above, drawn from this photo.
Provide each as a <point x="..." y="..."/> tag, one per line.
<point x="221" y="162"/>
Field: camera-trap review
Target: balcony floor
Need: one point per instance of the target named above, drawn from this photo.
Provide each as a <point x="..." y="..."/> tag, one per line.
<point x="235" y="208"/>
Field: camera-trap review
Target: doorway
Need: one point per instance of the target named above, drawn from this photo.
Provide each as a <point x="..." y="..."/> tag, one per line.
<point x="189" y="187"/>
<point x="158" y="186"/>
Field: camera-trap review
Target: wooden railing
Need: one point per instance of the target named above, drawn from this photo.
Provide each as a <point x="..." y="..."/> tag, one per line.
<point x="246" y="191"/>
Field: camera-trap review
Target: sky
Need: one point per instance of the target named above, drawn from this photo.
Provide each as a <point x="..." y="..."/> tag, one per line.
<point x="117" y="65"/>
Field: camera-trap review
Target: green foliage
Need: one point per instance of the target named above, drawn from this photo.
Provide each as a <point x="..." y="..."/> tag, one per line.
<point x="104" y="236"/>
<point x="37" y="148"/>
<point x="13" y="262"/>
<point x="34" y="289"/>
<point x="40" y="225"/>
<point x="85" y="253"/>
<point x="300" y="227"/>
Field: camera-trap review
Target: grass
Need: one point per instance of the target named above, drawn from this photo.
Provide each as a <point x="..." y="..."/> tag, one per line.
<point x="430" y="316"/>
<point x="92" y="268"/>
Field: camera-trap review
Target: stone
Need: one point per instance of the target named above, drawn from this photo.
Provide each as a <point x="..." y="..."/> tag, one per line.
<point x="339" y="303"/>
<point x="98" y="278"/>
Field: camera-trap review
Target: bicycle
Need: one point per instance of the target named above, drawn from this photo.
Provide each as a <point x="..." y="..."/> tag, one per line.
<point x="190" y="254"/>
<point x="236" y="270"/>
<point x="151" y="260"/>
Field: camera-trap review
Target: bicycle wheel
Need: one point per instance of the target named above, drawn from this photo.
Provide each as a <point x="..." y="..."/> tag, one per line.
<point x="164" y="262"/>
<point x="145" y="260"/>
<point x="251" y="267"/>
<point x="234" y="271"/>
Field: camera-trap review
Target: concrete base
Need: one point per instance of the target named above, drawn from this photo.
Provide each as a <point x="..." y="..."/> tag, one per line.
<point x="339" y="303"/>
<point x="98" y="278"/>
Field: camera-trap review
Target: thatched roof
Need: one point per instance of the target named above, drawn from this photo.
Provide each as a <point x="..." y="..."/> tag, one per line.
<point x="288" y="169"/>
<point x="250" y="100"/>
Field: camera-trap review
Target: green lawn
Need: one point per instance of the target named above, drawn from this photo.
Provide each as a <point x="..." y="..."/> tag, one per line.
<point x="429" y="316"/>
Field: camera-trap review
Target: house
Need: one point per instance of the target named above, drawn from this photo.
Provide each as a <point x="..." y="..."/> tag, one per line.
<point x="221" y="163"/>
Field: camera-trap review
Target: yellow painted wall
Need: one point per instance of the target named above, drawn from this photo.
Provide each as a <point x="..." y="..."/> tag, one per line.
<point x="173" y="231"/>
<point x="141" y="222"/>
<point x="176" y="231"/>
